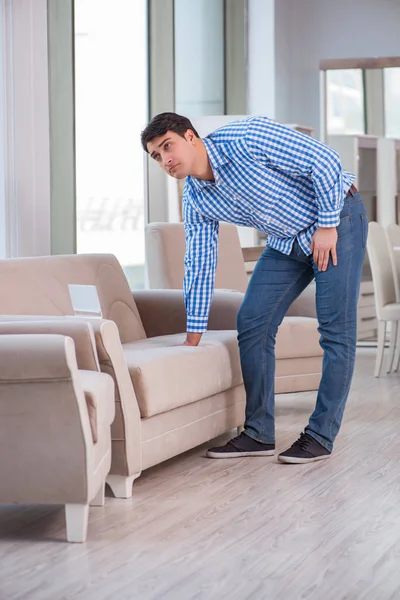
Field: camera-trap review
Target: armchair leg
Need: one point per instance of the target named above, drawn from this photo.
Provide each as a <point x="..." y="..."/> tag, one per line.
<point x="99" y="499"/>
<point x="380" y="348"/>
<point x="76" y="516"/>
<point x="121" y="486"/>
<point x="393" y="338"/>
<point x="397" y="350"/>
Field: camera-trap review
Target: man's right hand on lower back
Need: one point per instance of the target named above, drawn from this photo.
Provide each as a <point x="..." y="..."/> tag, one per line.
<point x="192" y="339"/>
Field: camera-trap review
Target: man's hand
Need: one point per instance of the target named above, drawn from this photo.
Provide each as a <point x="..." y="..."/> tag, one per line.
<point x="324" y="243"/>
<point x="192" y="339"/>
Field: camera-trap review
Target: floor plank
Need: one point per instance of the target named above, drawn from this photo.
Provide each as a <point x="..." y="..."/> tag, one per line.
<point x="251" y="528"/>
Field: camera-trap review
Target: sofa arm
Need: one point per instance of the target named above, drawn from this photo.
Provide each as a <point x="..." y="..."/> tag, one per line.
<point x="126" y="428"/>
<point x="163" y="311"/>
<point x="78" y="329"/>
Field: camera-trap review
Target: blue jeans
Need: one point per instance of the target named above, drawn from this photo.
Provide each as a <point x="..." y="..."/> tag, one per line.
<point x="276" y="282"/>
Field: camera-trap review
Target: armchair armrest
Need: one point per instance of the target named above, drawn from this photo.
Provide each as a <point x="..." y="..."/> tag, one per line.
<point x="78" y="329"/>
<point x="163" y="311"/>
<point x="37" y="357"/>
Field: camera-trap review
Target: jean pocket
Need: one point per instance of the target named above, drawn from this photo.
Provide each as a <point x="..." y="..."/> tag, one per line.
<point x="344" y="226"/>
<point x="352" y="200"/>
<point x="364" y="229"/>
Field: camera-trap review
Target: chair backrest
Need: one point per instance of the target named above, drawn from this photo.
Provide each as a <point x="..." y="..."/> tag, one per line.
<point x="393" y="236"/>
<point x="39" y="286"/>
<point x="381" y="267"/>
<point x="165" y="252"/>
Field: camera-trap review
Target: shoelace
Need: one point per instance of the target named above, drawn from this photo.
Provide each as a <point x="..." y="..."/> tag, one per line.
<point x="303" y="442"/>
<point x="237" y="438"/>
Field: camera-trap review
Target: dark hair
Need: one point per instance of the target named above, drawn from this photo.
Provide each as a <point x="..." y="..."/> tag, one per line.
<point x="160" y="124"/>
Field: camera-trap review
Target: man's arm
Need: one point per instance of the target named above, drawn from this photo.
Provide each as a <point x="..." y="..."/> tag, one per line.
<point x="200" y="265"/>
<point x="291" y="152"/>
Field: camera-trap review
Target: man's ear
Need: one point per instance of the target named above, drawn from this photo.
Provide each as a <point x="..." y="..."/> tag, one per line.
<point x="190" y="137"/>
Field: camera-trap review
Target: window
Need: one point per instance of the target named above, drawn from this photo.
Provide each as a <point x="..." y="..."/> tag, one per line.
<point x="391" y="79"/>
<point x="3" y="212"/>
<point x="199" y="57"/>
<point x="111" y="110"/>
<point x="345" y="101"/>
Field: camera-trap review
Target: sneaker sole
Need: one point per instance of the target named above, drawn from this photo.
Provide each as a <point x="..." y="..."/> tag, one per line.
<point x="293" y="460"/>
<point x="210" y="454"/>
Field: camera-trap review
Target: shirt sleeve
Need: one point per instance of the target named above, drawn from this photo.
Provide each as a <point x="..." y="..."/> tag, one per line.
<point x="200" y="265"/>
<point x="297" y="154"/>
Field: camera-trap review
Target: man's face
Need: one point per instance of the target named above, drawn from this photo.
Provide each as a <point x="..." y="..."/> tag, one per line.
<point x="174" y="154"/>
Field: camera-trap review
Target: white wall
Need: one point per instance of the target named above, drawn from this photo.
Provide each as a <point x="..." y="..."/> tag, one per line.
<point x="307" y="31"/>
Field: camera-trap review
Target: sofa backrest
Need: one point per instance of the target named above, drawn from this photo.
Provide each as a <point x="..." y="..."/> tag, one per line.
<point x="39" y="286"/>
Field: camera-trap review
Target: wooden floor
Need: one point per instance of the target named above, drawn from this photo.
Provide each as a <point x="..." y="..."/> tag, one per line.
<point x="235" y="529"/>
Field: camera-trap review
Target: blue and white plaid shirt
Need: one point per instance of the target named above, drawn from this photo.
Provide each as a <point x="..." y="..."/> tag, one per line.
<point x="267" y="176"/>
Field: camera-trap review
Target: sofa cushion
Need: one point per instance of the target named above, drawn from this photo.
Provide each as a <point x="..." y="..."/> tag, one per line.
<point x="166" y="374"/>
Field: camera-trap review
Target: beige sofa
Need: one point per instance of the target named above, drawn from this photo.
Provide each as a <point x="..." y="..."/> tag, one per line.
<point x="56" y="410"/>
<point x="164" y="403"/>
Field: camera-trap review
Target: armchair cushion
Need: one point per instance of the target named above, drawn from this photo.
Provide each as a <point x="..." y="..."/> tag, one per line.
<point x="167" y="375"/>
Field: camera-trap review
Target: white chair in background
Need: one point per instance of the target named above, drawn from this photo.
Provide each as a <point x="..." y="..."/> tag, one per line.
<point x="393" y="238"/>
<point x="387" y="309"/>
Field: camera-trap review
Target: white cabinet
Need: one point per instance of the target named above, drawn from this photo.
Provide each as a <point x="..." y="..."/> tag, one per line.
<point x="397" y="178"/>
<point x="375" y="161"/>
<point x="359" y="155"/>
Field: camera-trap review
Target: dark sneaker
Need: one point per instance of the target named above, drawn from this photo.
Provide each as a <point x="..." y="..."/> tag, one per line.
<point x="241" y="446"/>
<point x="305" y="449"/>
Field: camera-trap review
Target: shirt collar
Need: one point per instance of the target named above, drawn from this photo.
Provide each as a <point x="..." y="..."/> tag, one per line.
<point x="216" y="158"/>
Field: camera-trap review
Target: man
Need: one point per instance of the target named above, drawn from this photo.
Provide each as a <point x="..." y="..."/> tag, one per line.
<point x="259" y="173"/>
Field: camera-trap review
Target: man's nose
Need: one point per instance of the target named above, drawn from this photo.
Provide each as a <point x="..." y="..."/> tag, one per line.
<point x="167" y="161"/>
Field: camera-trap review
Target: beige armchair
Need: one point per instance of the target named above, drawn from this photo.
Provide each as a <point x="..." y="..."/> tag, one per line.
<point x="55" y="419"/>
<point x="169" y="397"/>
<point x="165" y="250"/>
